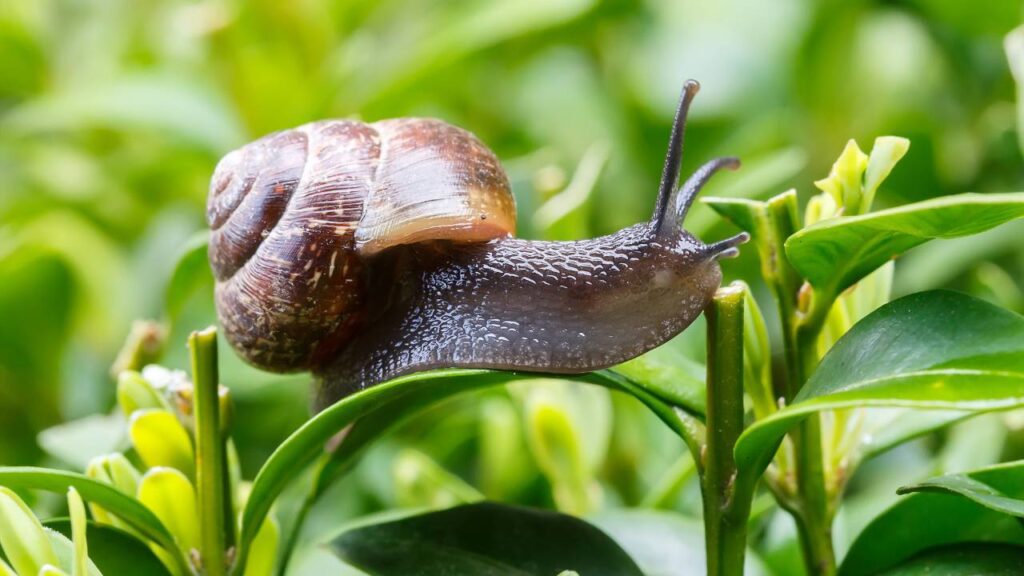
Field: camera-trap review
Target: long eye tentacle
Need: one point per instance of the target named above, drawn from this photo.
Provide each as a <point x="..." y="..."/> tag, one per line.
<point x="674" y="155"/>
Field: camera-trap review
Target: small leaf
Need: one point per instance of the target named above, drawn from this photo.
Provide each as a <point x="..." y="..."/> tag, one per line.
<point x="22" y="536"/>
<point x="975" y="490"/>
<point x="933" y="350"/>
<point x="965" y="560"/>
<point x="161" y="440"/>
<point x="483" y="539"/>
<point x="834" y="254"/>
<point x="171" y="497"/>
<point x="925" y="520"/>
<point x="77" y="511"/>
<point x="136" y="393"/>
<point x="886" y="152"/>
<point x="844" y="181"/>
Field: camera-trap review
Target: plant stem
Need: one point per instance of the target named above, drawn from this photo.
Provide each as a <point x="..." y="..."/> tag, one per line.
<point x="800" y="335"/>
<point x="211" y="462"/>
<point x="726" y="505"/>
<point x="814" y="519"/>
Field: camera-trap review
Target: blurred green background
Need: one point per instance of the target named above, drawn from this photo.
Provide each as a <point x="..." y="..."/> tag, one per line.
<point x="113" y="114"/>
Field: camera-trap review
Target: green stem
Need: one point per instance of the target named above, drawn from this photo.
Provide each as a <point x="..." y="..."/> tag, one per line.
<point x="726" y="502"/>
<point x="814" y="519"/>
<point x="211" y="468"/>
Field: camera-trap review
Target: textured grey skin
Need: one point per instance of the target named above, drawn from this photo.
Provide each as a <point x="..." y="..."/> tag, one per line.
<point x="551" y="307"/>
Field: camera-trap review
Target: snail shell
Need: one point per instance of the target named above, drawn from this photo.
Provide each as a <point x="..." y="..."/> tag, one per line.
<point x="294" y="215"/>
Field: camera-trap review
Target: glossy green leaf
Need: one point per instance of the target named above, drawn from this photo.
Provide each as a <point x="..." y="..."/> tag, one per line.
<point x="834" y="254"/>
<point x="965" y="560"/>
<point x="932" y="350"/>
<point x="483" y="539"/>
<point x="973" y="489"/>
<point x="111" y="499"/>
<point x="926" y="520"/>
<point x="114" y="551"/>
<point x="385" y="405"/>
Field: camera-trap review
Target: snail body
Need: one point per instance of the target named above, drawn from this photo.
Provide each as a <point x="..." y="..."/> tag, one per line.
<point x="366" y="251"/>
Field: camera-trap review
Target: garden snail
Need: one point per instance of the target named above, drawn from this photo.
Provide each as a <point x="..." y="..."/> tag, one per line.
<point x="366" y="251"/>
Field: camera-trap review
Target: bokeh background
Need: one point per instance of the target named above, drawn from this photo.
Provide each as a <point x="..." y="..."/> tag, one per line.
<point x="113" y="114"/>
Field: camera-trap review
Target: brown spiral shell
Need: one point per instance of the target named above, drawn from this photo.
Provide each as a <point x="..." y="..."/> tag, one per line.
<point x="295" y="216"/>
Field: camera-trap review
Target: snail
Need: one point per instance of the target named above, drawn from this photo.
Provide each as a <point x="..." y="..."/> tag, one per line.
<point x="363" y="252"/>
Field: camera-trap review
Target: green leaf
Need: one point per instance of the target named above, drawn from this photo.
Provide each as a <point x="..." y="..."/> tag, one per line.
<point x="926" y="520"/>
<point x="966" y="485"/>
<point x="22" y="537"/>
<point x="965" y="560"/>
<point x="385" y="405"/>
<point x="161" y="440"/>
<point x="76" y="508"/>
<point x="483" y="539"/>
<point x="170" y="495"/>
<point x="932" y="350"/>
<point x="114" y="551"/>
<point x="834" y="254"/>
<point x="125" y="507"/>
<point x="136" y="393"/>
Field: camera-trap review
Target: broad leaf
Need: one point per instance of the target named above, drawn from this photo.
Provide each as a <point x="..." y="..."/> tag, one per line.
<point x="379" y="407"/>
<point x="483" y="539"/>
<point x="834" y="254"/>
<point x="932" y="350"/>
<point x="965" y="560"/>
<point x="966" y="485"/>
<point x="926" y="520"/>
<point x="113" y="550"/>
<point x="111" y="499"/>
